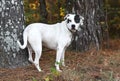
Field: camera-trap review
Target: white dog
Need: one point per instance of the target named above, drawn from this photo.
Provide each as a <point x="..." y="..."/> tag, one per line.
<point x="56" y="36"/>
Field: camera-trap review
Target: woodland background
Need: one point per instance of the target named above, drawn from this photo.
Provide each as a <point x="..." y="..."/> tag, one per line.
<point x="88" y="65"/>
<point x="56" y="10"/>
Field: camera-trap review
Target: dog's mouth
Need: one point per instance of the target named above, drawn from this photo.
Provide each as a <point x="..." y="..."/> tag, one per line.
<point x="73" y="30"/>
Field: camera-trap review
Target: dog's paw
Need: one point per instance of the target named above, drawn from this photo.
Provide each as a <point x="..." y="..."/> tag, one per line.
<point x="39" y="70"/>
<point x="63" y="64"/>
<point x="59" y="70"/>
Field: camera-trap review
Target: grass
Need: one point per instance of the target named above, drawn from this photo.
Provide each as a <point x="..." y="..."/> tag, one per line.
<point x="73" y="75"/>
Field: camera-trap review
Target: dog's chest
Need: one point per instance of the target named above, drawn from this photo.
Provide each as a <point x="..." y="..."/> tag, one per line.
<point x="67" y="41"/>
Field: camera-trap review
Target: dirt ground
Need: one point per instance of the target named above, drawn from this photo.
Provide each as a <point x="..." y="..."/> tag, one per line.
<point x="103" y="65"/>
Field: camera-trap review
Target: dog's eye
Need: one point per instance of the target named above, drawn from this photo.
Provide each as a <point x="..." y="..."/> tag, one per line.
<point x="68" y="20"/>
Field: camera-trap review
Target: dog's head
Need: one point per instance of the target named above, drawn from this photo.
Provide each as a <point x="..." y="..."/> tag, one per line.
<point x="73" y="22"/>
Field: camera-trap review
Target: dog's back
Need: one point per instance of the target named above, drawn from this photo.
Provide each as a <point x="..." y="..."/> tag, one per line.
<point x="48" y="34"/>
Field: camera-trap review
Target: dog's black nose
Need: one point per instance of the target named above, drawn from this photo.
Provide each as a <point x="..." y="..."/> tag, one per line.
<point x="73" y="27"/>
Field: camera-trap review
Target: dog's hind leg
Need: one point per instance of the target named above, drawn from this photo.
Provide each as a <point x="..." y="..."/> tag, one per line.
<point x="38" y="50"/>
<point x="30" y="53"/>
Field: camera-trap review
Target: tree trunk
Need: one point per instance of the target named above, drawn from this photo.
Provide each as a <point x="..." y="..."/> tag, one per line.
<point x="43" y="11"/>
<point x="91" y="34"/>
<point x="11" y="27"/>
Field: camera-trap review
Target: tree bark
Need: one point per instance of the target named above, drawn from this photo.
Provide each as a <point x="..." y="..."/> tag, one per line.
<point x="91" y="34"/>
<point x="11" y="27"/>
<point x="43" y="11"/>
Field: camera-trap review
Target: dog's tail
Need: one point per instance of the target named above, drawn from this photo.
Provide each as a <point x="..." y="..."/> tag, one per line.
<point x="24" y="40"/>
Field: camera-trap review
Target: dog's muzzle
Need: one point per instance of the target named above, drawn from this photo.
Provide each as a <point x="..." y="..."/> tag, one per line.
<point x="73" y="27"/>
<point x="73" y="30"/>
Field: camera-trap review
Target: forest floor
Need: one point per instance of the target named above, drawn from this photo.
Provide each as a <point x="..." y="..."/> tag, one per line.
<point x="102" y="65"/>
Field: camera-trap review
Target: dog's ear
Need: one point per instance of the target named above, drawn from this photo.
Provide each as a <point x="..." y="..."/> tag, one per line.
<point x="66" y="16"/>
<point x="81" y="17"/>
<point x="81" y="20"/>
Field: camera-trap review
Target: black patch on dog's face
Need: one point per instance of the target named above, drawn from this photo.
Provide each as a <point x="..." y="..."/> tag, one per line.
<point x="77" y="18"/>
<point x="68" y="20"/>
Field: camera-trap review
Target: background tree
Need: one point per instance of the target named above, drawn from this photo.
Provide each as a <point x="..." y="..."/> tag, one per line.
<point x="91" y="32"/>
<point x="32" y="11"/>
<point x="11" y="27"/>
<point x="43" y="11"/>
<point x="112" y="10"/>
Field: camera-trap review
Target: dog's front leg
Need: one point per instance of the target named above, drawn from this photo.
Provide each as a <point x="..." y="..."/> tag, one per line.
<point x="63" y="58"/>
<point x="58" y="58"/>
